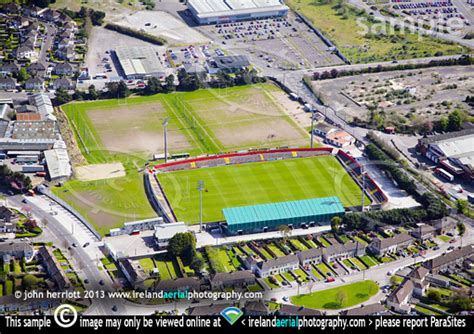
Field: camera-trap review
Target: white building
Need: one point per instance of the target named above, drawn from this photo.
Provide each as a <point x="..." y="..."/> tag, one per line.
<point x="218" y="11"/>
<point x="57" y="160"/>
<point x="164" y="232"/>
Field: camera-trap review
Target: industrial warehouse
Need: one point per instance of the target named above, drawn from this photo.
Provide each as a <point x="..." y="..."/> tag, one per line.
<point x="451" y="151"/>
<point x="215" y="11"/>
<point x="295" y="214"/>
<point x="139" y="62"/>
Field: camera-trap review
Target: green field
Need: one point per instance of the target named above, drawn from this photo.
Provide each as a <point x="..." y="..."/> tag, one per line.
<point x="353" y="294"/>
<point x="339" y="22"/>
<point x="130" y="130"/>
<point x="257" y="183"/>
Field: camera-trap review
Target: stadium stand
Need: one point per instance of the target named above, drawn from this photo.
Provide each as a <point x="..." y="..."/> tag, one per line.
<point x="353" y="167"/>
<point x="240" y="158"/>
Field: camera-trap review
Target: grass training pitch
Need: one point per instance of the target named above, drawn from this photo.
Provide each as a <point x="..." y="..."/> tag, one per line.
<point x="129" y="131"/>
<point x="257" y="183"/>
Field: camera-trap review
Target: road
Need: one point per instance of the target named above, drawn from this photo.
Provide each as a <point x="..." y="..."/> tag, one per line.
<point x="47" y="43"/>
<point x="61" y="236"/>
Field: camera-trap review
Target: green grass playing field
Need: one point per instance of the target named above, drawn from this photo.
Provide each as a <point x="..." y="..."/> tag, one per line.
<point x="257" y="183"/>
<point x="130" y="131"/>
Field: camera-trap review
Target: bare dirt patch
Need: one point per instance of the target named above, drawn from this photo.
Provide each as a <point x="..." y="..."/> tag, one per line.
<point x="135" y="128"/>
<point x="100" y="171"/>
<point x="293" y="109"/>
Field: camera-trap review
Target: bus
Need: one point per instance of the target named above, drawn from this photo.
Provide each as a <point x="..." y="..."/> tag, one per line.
<point x="441" y="172"/>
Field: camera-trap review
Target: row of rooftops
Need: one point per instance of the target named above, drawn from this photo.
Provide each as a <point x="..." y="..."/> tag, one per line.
<point x="415" y="279"/>
<point x="13" y="67"/>
<point x="310" y="254"/>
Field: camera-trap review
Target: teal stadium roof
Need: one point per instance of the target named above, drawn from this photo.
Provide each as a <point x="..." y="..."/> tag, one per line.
<point x="283" y="210"/>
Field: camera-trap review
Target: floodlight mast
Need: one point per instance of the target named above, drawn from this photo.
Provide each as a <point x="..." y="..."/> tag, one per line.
<point x="200" y="188"/>
<point x="165" y="139"/>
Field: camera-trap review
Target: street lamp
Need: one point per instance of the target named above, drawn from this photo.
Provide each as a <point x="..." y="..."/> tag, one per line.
<point x="165" y="124"/>
<point x="312" y="127"/>
<point x="200" y="188"/>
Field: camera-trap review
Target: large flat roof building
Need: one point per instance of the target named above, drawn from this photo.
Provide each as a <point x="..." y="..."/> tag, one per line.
<point x="453" y="151"/>
<point x="263" y="217"/>
<point x="221" y="11"/>
<point x="139" y="62"/>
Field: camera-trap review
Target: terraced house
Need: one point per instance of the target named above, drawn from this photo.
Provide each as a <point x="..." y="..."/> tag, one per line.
<point x="390" y="245"/>
<point x="232" y="280"/>
<point x="332" y="253"/>
<point x="277" y="266"/>
<point x="457" y="256"/>
<point x="341" y="252"/>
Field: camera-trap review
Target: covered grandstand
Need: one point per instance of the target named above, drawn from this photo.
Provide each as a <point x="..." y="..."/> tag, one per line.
<point x="218" y="11"/>
<point x="295" y="214"/>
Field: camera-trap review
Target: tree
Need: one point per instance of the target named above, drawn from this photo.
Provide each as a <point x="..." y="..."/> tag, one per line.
<point x="462" y="205"/>
<point x="336" y="224"/>
<point x="23" y="75"/>
<point x="97" y="17"/>
<point x="30" y="282"/>
<point x="460" y="301"/>
<point x="454" y="121"/>
<point x="42" y="3"/>
<point x="93" y="94"/>
<point x="183" y="245"/>
<point x="443" y="124"/>
<point x="197" y="263"/>
<point x="461" y="228"/>
<point x="153" y="86"/>
<point x="285" y="232"/>
<point x="341" y="297"/>
<point x="62" y="96"/>
<point x="118" y="89"/>
<point x="434" y="295"/>
<point x="169" y="84"/>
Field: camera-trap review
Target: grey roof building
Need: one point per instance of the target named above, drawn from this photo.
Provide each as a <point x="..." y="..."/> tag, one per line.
<point x="64" y="69"/>
<point x="9" y="68"/>
<point x="16" y="249"/>
<point x="7" y="83"/>
<point x="54" y="269"/>
<point x="179" y="284"/>
<point x="139" y="62"/>
<point x="278" y="265"/>
<point x="390" y="245"/>
<point x="208" y="310"/>
<point x="239" y="278"/>
<point x="34" y="84"/>
<point x="62" y="83"/>
<point x="372" y="309"/>
<point x="457" y="256"/>
<point x="287" y="309"/>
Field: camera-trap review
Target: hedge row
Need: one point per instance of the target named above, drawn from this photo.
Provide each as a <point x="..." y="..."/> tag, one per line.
<point x="136" y="33"/>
